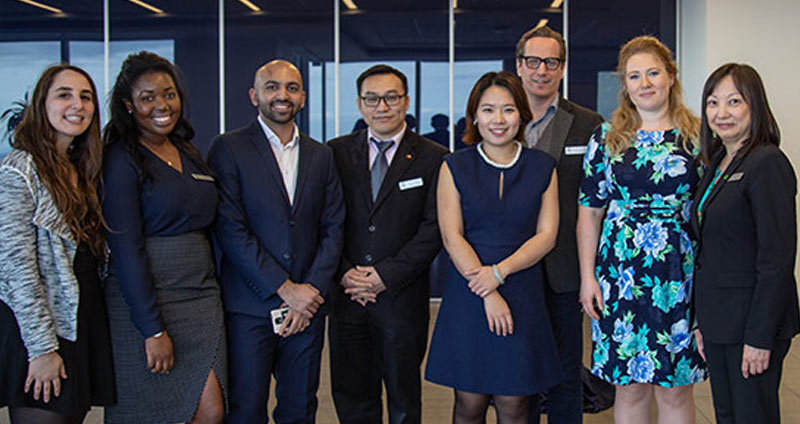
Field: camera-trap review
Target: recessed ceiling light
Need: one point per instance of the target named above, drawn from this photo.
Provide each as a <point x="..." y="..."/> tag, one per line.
<point x="147" y="6"/>
<point x="350" y="5"/>
<point x="42" y="6"/>
<point x="556" y="4"/>
<point x="249" y="4"/>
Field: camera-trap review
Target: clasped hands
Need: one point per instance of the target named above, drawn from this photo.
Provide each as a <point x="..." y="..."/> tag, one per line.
<point x="303" y="300"/>
<point x="363" y="284"/>
<point x="483" y="283"/>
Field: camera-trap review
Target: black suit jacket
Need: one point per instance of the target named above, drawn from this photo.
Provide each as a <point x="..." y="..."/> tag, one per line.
<point x="398" y="234"/>
<point x="263" y="238"/>
<point x="565" y="139"/>
<point x="744" y="283"/>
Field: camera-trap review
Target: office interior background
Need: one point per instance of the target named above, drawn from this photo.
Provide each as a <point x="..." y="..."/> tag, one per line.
<point x="413" y="35"/>
<point x="218" y="44"/>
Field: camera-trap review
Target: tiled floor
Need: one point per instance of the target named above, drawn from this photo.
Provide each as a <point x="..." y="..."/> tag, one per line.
<point x="437" y="401"/>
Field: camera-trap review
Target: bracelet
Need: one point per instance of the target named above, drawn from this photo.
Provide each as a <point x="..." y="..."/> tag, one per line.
<point x="157" y="335"/>
<point x="496" y="273"/>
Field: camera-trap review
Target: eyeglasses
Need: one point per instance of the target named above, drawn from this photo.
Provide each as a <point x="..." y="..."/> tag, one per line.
<point x="533" y="62"/>
<point x="391" y="99"/>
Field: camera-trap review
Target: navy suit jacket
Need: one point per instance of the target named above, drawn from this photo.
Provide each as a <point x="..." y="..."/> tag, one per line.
<point x="262" y="237"/>
<point x="744" y="285"/>
<point x="398" y="234"/>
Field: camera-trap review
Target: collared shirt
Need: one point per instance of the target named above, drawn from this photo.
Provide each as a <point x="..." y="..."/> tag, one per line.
<point x="535" y="129"/>
<point x="373" y="149"/>
<point x="287" y="156"/>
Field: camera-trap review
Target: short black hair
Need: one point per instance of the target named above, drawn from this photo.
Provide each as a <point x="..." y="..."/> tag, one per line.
<point x="380" y="70"/>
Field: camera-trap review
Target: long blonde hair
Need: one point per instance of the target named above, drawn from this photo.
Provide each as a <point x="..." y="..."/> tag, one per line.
<point x="626" y="120"/>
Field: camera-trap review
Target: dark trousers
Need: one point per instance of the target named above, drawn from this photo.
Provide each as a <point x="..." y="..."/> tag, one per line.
<point x="738" y="400"/>
<point x="256" y="353"/>
<point x="565" y="401"/>
<point x="364" y="354"/>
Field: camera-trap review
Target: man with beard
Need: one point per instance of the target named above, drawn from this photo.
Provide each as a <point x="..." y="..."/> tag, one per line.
<point x="279" y="230"/>
<point x="561" y="129"/>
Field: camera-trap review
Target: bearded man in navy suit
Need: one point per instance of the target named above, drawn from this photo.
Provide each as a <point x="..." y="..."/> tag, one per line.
<point x="279" y="228"/>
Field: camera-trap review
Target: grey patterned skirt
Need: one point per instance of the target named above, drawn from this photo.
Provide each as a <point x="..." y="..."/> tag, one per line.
<point x="189" y="300"/>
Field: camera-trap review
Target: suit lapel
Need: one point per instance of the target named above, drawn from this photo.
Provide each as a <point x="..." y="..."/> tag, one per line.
<point x="558" y="129"/>
<point x="303" y="163"/>
<point x="261" y="144"/>
<point x="734" y="165"/>
<point x="359" y="155"/>
<point x="403" y="157"/>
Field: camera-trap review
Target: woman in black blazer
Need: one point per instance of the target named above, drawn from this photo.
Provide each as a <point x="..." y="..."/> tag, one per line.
<point x="745" y="291"/>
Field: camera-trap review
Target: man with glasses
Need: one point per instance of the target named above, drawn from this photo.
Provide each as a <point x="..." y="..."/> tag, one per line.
<point x="379" y="321"/>
<point x="562" y="129"/>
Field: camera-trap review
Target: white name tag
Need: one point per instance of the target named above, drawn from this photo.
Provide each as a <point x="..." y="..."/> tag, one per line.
<point x="736" y="177"/>
<point x="201" y="177"/>
<point x="412" y="183"/>
<point x="575" y="150"/>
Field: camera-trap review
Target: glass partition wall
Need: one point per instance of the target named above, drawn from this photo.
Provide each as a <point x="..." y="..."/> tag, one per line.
<point x="443" y="47"/>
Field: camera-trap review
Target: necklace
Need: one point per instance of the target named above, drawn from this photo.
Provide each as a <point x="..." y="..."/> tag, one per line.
<point x="500" y="165"/>
<point x="158" y="154"/>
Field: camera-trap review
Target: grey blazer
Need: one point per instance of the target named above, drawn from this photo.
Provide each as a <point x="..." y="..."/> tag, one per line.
<point x="565" y="139"/>
<point x="36" y="277"/>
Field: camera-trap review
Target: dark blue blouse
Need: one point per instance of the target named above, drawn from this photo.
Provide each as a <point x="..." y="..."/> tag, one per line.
<point x="166" y="203"/>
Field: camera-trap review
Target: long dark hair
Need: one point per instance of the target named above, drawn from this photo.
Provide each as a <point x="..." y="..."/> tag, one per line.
<point x="511" y="83"/>
<point x="763" y="127"/>
<point x="122" y="128"/>
<point x="79" y="206"/>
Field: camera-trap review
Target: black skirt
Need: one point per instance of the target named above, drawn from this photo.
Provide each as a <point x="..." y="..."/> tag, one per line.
<point x="90" y="376"/>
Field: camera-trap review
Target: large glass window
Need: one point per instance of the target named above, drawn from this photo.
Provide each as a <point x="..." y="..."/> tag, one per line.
<point x="412" y="38"/>
<point x="597" y="29"/>
<point x="33" y="38"/>
<point x="300" y="32"/>
<point x="185" y="33"/>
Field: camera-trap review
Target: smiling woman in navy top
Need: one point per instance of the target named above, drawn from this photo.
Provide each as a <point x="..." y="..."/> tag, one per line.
<point x="164" y="302"/>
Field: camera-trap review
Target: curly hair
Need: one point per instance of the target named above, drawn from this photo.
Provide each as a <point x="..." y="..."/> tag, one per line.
<point x="122" y="128"/>
<point x="626" y="120"/>
<point x="79" y="205"/>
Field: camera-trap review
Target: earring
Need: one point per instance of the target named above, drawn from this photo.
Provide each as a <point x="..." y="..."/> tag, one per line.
<point x="475" y="122"/>
<point x="130" y="111"/>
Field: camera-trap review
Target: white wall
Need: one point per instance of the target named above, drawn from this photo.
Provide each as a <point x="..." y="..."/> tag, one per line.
<point x="763" y="34"/>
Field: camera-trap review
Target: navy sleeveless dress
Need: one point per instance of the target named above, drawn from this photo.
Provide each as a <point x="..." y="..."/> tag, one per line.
<point x="464" y="354"/>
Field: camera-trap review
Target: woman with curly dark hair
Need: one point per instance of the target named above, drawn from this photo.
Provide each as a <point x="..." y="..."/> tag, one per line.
<point x="53" y="328"/>
<point x="164" y="302"/>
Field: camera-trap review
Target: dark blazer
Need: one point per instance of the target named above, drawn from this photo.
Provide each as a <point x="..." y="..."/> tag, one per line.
<point x="744" y="284"/>
<point x="398" y="234"/>
<point x="565" y="139"/>
<point x="264" y="240"/>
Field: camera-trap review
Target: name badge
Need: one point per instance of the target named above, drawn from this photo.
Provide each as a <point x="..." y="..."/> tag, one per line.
<point x="201" y="177"/>
<point x="736" y="177"/>
<point x="575" y="150"/>
<point x="409" y="184"/>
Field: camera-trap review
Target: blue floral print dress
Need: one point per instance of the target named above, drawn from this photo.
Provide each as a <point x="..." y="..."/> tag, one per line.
<point x="645" y="259"/>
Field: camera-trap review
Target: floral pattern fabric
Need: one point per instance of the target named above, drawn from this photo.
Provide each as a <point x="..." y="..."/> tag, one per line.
<point x="645" y="259"/>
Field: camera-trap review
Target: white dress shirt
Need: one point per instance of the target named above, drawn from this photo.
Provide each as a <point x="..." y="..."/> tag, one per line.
<point x="389" y="153"/>
<point x="287" y="156"/>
